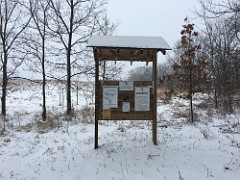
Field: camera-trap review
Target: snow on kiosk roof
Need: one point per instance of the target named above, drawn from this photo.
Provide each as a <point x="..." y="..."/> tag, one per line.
<point x="122" y="48"/>
<point x="140" y="42"/>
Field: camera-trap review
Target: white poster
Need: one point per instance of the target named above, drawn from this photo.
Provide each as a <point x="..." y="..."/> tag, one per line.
<point x="125" y="85"/>
<point x="110" y="97"/>
<point x="126" y="107"/>
<point x="142" y="99"/>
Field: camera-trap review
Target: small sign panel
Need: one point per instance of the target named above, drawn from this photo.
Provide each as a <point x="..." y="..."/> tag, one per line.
<point x="107" y="113"/>
<point x="142" y="99"/>
<point x="110" y="97"/>
<point x="126" y="107"/>
<point x="125" y="85"/>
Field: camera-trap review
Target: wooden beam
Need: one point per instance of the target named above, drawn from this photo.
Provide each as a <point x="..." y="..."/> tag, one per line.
<point x="154" y="121"/>
<point x="97" y="84"/>
<point x="126" y="54"/>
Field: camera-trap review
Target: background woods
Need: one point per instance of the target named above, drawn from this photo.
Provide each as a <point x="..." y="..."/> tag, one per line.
<point x="49" y="40"/>
<point x="44" y="38"/>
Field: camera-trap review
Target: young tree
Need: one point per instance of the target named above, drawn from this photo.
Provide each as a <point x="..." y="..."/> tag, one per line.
<point x="13" y="22"/>
<point x="190" y="70"/>
<point x="72" y="23"/>
<point x="39" y="12"/>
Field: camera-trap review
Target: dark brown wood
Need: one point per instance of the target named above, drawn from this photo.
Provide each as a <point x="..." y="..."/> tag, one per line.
<point x="96" y="98"/>
<point x="154" y="122"/>
<point x="125" y="54"/>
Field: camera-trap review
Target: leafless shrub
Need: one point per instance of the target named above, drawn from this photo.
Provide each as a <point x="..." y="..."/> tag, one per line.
<point x="53" y="121"/>
<point x="27" y="127"/>
<point x="203" y="105"/>
<point x="166" y="95"/>
<point x="87" y="113"/>
<point x="185" y="114"/>
<point x="2" y="125"/>
<point x="181" y="114"/>
<point x="207" y="134"/>
<point x="232" y="125"/>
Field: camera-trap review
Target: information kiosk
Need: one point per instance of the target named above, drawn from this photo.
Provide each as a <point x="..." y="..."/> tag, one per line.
<point x="126" y="100"/>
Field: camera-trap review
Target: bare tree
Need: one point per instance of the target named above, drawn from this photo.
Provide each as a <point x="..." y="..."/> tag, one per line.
<point x="108" y="69"/>
<point x="13" y="22"/>
<point x="165" y="74"/>
<point x="37" y="41"/>
<point x="142" y="73"/>
<point x="225" y="63"/>
<point x="229" y="9"/>
<point x="222" y="47"/>
<point x="73" y="22"/>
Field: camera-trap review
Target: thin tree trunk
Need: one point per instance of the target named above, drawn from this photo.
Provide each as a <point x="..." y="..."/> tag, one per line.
<point x="190" y="93"/>
<point x="215" y="95"/>
<point x="69" y="104"/>
<point x="44" y="112"/>
<point x="4" y="84"/>
<point x="69" y="107"/>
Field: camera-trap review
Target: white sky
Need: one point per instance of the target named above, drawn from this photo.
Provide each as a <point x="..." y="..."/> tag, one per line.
<point x="151" y="17"/>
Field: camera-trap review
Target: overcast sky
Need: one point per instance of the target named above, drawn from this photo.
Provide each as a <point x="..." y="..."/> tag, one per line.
<point x="151" y="17"/>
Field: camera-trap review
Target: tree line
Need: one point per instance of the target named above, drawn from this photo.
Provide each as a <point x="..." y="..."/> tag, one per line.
<point x="207" y="60"/>
<point x="42" y="33"/>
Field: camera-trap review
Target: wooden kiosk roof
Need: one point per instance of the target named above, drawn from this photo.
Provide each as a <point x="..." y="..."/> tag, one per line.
<point x="122" y="48"/>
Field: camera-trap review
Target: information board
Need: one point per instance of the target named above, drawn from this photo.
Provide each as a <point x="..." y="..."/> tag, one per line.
<point x="142" y="99"/>
<point x="110" y="97"/>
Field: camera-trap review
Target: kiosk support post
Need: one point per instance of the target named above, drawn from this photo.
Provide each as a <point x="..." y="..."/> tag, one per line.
<point x="96" y="98"/>
<point x="154" y="121"/>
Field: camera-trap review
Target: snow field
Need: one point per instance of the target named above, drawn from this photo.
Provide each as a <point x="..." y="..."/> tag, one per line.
<point x="199" y="151"/>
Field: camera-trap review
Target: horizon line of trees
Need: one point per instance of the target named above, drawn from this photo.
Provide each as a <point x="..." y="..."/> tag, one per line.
<point x="40" y="33"/>
<point x="217" y="59"/>
<point x="37" y="34"/>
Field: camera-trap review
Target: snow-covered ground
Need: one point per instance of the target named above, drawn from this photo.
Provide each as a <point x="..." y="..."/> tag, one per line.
<point x="29" y="149"/>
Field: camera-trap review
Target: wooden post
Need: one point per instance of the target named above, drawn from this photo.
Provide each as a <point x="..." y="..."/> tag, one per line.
<point x="154" y="121"/>
<point x="96" y="96"/>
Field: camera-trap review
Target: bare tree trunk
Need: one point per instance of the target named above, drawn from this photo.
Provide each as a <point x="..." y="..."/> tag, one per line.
<point x="69" y="48"/>
<point x="4" y="84"/>
<point x="39" y="13"/>
<point x="44" y="112"/>
<point x="190" y="92"/>
<point x="12" y="24"/>
<point x="69" y="106"/>
<point x="74" y="18"/>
